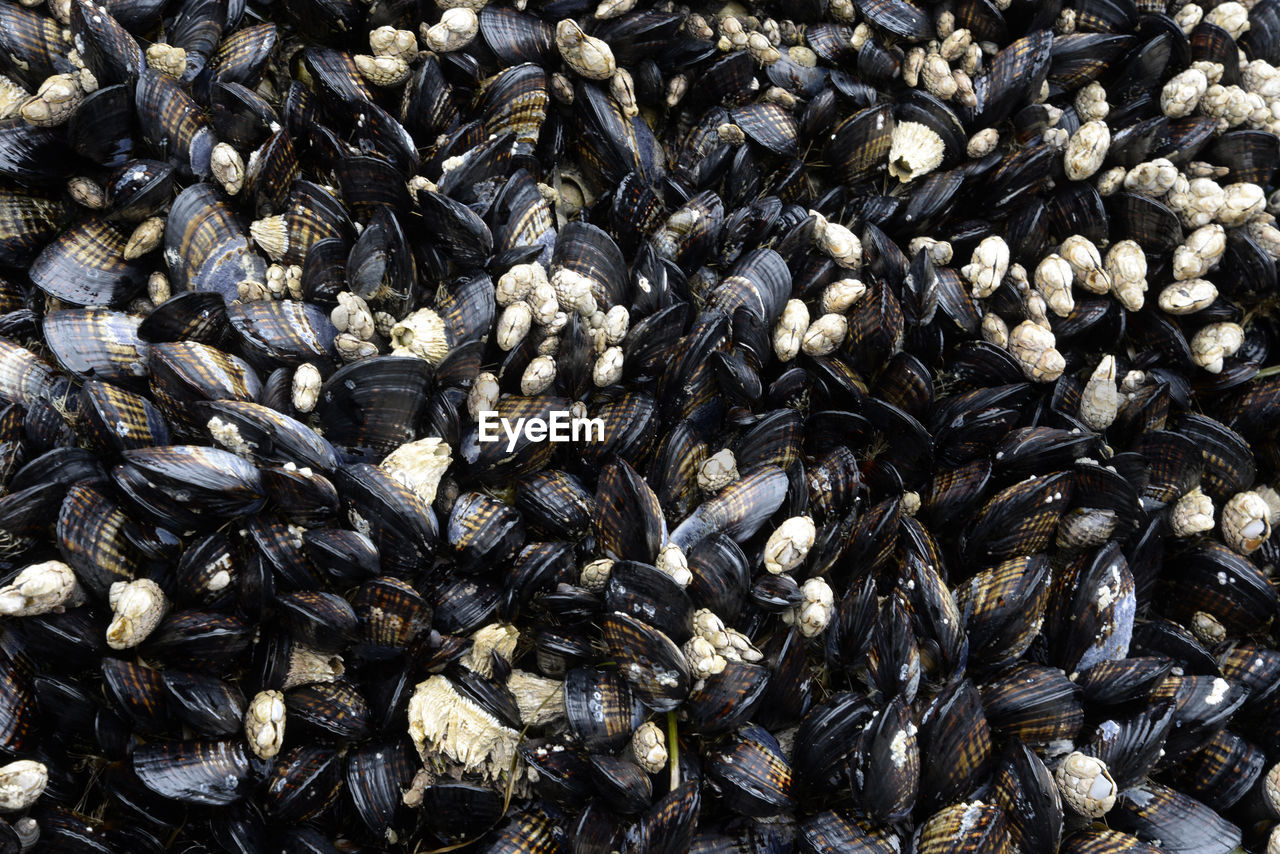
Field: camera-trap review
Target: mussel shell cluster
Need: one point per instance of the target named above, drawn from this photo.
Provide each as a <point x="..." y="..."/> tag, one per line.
<point x="928" y="494"/>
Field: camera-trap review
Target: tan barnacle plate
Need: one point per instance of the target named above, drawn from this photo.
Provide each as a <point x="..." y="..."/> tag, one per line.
<point x="419" y="466"/>
<point x="264" y="723"/>
<point x="136" y="609"/>
<point x="21" y="784"/>
<point x="40" y="589"/>
<point x="649" y="747"/>
<point x="446" y="725"/>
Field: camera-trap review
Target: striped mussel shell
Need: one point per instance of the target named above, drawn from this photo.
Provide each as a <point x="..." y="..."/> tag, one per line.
<point x="85" y="265"/>
<point x="206" y="773"/>
<point x="28" y="219"/>
<point x="186" y="372"/>
<point x="650" y="661"/>
<point x="515" y="101"/>
<point x="205" y="246"/>
<point x="174" y="121"/>
<point x="242" y="56"/>
<point x="392" y="614"/>
<point x="92" y="533"/>
<point x="96" y="343"/>
<point x="33" y="44"/>
<point x="286" y="331"/>
<point x="1036" y="704"/>
<point x="601" y="709"/>
<point x="965" y="828"/>
<point x="24" y="376"/>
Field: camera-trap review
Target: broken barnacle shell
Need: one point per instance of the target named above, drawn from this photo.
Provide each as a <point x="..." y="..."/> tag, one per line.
<point x="419" y="465"/>
<point x="40" y="589"/>
<point x="916" y="150"/>
<point x="137" y="608"/>
<point x="444" y="722"/>
<point x="717" y="471"/>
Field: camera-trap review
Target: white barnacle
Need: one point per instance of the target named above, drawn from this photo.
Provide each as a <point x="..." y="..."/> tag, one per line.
<point x="789" y="332"/>
<point x="167" y="59"/>
<point x="352" y="349"/>
<point x="649" y="747"/>
<point x="382" y="70"/>
<point x="839" y="296"/>
<point x="136" y="609"/>
<point x="271" y="233"/>
<point x="987" y="266"/>
<point x="227" y="434"/>
<point x="1231" y="16"/>
<point x="1053" y="281"/>
<point x="444" y="723"/>
<point x="352" y="314"/>
<point x="1183" y="92"/>
<point x="1110" y="181"/>
<point x="419" y="465"/>
<point x="617" y="321"/>
<point x="789" y="544"/>
<point x="517" y="282"/>
<point x="982" y="143"/>
<point x="595" y="575"/>
<point x="145" y="237"/>
<point x="538" y="375"/>
<point x="483" y="396"/>
<point x="1187" y="296"/>
<point x="1100" y="400"/>
<point x="41" y="588"/>
<point x="1091" y="102"/>
<point x="573" y="292"/>
<point x="21" y="784"/>
<point x="305" y="391"/>
<point x="264" y="722"/>
<point x="672" y="561"/>
<point x="1192" y="514"/>
<point x="1246" y="522"/>
<point x="388" y="41"/>
<point x="227" y="167"/>
<point x="915" y="150"/>
<point x="544" y="303"/>
<point x="702" y="658"/>
<point x="589" y="57"/>
<point x="1241" y="203"/>
<point x="1215" y="342"/>
<point x="939" y="251"/>
<point x="1086" y="150"/>
<point x="814" y="613"/>
<point x="936" y="76"/>
<point x="718" y="471"/>
<point x="1086" y="785"/>
<point x="995" y="330"/>
<point x="1151" y="178"/>
<point x="421" y="334"/>
<point x="1035" y="350"/>
<point x="839" y="242"/>
<point x="1086" y="264"/>
<point x="1126" y="264"/>
<point x="513" y="325"/>
<point x="825" y="334"/>
<point x="607" y="369"/>
<point x="455" y="30"/>
<point x="1200" y="252"/>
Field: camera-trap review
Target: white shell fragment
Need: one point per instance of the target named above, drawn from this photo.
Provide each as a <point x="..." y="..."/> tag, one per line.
<point x="40" y="589"/>
<point x="21" y="784"/>
<point x="445" y="724"/>
<point x="1246" y="522"/>
<point x="137" y="608"/>
<point x="789" y="544"/>
<point x="915" y="150"/>
<point x="419" y="466"/>
<point x="1086" y="786"/>
<point x="264" y="723"/>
